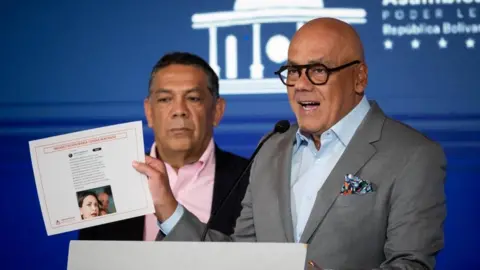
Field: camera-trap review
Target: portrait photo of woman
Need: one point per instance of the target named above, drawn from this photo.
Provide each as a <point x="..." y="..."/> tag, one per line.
<point x="89" y="205"/>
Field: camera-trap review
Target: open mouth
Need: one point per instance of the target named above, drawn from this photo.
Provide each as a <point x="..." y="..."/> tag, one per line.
<point x="309" y="105"/>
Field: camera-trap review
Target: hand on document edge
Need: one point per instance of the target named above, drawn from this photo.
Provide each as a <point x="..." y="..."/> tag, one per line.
<point x="162" y="195"/>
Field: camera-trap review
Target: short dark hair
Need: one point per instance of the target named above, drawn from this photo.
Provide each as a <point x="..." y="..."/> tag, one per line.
<point x="189" y="59"/>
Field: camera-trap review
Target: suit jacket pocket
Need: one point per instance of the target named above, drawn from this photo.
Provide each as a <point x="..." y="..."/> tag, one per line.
<point x="356" y="200"/>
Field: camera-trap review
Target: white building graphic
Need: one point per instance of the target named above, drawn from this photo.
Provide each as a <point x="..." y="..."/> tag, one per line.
<point x="256" y="13"/>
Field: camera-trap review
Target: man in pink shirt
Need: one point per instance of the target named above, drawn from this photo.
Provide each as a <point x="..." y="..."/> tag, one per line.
<point x="183" y="107"/>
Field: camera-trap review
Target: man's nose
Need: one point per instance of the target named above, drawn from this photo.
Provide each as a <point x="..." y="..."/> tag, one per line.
<point x="180" y="108"/>
<point x="303" y="83"/>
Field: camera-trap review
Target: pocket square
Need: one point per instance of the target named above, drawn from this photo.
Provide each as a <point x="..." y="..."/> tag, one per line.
<point x="355" y="185"/>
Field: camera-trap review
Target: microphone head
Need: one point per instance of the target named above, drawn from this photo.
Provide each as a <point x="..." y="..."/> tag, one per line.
<point x="282" y="126"/>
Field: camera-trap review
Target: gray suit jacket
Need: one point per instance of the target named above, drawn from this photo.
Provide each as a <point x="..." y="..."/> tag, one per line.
<point x="398" y="226"/>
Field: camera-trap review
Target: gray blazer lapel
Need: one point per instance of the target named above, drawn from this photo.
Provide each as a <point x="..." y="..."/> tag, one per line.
<point x="356" y="155"/>
<point x="281" y="167"/>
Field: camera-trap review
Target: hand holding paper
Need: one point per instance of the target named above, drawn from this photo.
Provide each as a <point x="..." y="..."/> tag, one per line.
<point x="162" y="194"/>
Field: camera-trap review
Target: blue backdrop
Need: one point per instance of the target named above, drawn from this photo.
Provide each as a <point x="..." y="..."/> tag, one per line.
<point x="73" y="65"/>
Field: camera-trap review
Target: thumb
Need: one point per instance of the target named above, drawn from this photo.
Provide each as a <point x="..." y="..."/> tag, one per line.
<point x="155" y="164"/>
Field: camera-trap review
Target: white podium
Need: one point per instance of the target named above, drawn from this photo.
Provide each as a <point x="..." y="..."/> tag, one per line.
<point x="133" y="255"/>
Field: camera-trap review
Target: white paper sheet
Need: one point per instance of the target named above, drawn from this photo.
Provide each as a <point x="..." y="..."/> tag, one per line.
<point x="96" y="160"/>
<point x="123" y="255"/>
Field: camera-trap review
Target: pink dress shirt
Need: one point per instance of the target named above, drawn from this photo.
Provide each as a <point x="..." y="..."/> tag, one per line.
<point x="192" y="187"/>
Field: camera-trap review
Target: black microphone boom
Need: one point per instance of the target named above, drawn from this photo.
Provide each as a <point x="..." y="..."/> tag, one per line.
<point x="280" y="127"/>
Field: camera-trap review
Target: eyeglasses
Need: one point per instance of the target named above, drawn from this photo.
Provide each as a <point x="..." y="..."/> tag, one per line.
<point x="318" y="74"/>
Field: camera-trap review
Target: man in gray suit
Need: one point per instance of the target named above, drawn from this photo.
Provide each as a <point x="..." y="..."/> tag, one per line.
<point x="363" y="190"/>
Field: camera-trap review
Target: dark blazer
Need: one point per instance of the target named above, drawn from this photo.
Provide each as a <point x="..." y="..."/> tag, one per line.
<point x="228" y="167"/>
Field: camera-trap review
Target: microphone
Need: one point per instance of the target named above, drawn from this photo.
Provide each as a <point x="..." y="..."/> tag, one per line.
<point x="280" y="127"/>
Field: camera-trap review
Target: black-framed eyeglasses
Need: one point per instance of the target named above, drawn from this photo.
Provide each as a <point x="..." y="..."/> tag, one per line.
<point x="317" y="73"/>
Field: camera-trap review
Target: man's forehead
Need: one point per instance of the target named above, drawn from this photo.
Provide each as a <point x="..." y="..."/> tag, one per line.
<point x="319" y="53"/>
<point x="316" y="39"/>
<point x="311" y="60"/>
<point x="178" y="87"/>
<point x="177" y="70"/>
<point x="331" y="44"/>
<point x="179" y="77"/>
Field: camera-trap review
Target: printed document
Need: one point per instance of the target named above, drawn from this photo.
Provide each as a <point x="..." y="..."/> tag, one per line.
<point x="86" y="178"/>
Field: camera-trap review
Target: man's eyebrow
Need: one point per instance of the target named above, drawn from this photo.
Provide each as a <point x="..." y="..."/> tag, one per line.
<point x="169" y="91"/>
<point x="161" y="91"/>
<point x="291" y="63"/>
<point x="192" y="90"/>
<point x="316" y="61"/>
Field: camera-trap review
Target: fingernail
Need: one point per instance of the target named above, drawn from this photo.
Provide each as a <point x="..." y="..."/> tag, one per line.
<point x="134" y="163"/>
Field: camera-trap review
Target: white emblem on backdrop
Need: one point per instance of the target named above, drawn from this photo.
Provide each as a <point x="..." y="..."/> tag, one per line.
<point x="256" y="13"/>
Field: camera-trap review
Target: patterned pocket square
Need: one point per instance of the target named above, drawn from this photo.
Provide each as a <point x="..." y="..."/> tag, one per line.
<point x="355" y="185"/>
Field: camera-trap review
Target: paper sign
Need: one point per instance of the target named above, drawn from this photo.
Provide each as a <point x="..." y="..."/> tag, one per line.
<point x="86" y="178"/>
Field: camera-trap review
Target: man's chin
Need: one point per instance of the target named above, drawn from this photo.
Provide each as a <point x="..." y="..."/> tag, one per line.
<point x="181" y="145"/>
<point x="310" y="128"/>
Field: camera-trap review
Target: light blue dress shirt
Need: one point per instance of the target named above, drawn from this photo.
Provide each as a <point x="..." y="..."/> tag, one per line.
<point x="310" y="167"/>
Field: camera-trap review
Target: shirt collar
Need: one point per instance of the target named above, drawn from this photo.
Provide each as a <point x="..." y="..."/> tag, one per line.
<point x="346" y="127"/>
<point x="343" y="129"/>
